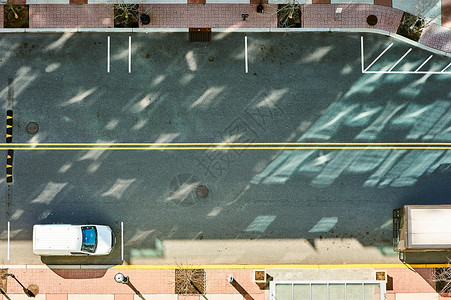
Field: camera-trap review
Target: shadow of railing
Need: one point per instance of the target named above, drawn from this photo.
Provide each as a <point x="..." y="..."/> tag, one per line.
<point x="138" y="293"/>
<point x="241" y="290"/>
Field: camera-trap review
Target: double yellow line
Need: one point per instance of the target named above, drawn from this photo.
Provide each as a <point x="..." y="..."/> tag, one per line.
<point x="222" y="146"/>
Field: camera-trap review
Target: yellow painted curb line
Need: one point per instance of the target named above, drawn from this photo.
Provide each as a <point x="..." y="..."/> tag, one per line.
<point x="294" y="266"/>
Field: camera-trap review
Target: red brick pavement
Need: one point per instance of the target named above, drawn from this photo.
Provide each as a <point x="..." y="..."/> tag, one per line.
<point x="196" y="1"/>
<point x="437" y="37"/>
<point x="209" y="16"/>
<point x="70" y="16"/>
<point x="383" y="2"/>
<point x="352" y="16"/>
<point x="57" y="284"/>
<point x="78" y="1"/>
<point x="1" y="16"/>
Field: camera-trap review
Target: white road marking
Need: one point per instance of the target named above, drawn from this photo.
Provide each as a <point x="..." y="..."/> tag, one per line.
<point x="380" y="55"/>
<point x="445" y="68"/>
<point x="407" y="72"/>
<point x="361" y="52"/>
<point x="245" y="55"/>
<point x="9" y="230"/>
<point x="129" y="54"/>
<point x="108" y="55"/>
<point x="122" y="241"/>
<point x="423" y="63"/>
<point x="390" y="71"/>
<point x="399" y="60"/>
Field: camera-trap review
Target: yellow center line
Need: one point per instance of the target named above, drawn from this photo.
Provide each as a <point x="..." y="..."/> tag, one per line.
<point x="222" y="146"/>
<point x="225" y="143"/>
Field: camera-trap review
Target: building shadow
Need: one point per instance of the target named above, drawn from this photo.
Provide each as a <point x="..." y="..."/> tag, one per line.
<point x="432" y="257"/>
<point x="428" y="274"/>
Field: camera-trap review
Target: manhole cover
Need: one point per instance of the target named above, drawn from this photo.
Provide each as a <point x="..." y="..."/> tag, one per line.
<point x="145" y="19"/>
<point x="32" y="127"/>
<point x="371" y="20"/>
<point x="202" y="191"/>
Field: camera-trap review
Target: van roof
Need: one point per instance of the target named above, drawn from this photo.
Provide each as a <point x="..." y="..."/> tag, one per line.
<point x="429" y="226"/>
<point x="57" y="237"/>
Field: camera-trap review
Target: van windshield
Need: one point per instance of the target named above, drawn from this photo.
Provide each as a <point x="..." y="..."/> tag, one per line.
<point x="89" y="235"/>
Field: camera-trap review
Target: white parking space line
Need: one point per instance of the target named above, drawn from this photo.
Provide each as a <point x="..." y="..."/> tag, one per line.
<point x="423" y="63"/>
<point x="399" y="60"/>
<point x="390" y="71"/>
<point x="374" y="61"/>
<point x="361" y="53"/>
<point x="9" y="230"/>
<point x="445" y="68"/>
<point x="245" y="55"/>
<point x="108" y="55"/>
<point x="122" y="241"/>
<point x="129" y="54"/>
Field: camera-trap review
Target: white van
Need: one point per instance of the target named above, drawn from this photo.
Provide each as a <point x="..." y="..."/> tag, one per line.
<point x="421" y="228"/>
<point x="71" y="240"/>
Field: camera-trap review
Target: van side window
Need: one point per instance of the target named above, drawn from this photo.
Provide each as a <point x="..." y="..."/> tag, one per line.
<point x="89" y="236"/>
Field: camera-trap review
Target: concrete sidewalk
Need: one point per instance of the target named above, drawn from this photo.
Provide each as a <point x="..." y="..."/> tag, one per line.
<point x="158" y="282"/>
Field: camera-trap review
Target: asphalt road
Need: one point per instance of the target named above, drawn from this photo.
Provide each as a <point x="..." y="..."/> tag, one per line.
<point x="301" y="87"/>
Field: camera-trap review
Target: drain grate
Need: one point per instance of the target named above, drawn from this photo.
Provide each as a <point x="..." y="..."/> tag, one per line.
<point x="200" y="34"/>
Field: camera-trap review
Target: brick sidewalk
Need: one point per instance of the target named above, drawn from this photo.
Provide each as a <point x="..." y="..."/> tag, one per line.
<point x="84" y="284"/>
<point x="211" y="16"/>
<point x="352" y="16"/>
<point x="70" y="15"/>
<point x="229" y="16"/>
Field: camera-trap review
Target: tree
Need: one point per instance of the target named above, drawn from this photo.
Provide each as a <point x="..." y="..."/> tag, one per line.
<point x="423" y="14"/>
<point x="128" y="15"/>
<point x="9" y="6"/>
<point x="289" y="14"/>
<point x="189" y="281"/>
<point x="15" y="15"/>
<point x="442" y="278"/>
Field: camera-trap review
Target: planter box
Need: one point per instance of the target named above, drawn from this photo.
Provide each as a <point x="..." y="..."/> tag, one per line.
<point x="260" y="278"/>
<point x="381" y="275"/>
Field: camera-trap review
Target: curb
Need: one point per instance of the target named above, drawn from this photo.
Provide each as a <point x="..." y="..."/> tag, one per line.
<point x="228" y="30"/>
